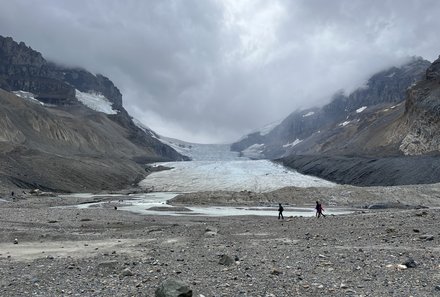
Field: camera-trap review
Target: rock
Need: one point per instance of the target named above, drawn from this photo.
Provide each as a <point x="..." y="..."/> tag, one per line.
<point x="226" y="260"/>
<point x="433" y="72"/>
<point x="126" y="272"/>
<point x="426" y="237"/>
<point x="391" y="230"/>
<point x="15" y="241"/>
<point x="410" y="263"/>
<point x="173" y="288"/>
<point x="421" y="213"/>
<point x="108" y="265"/>
<point x="276" y="272"/>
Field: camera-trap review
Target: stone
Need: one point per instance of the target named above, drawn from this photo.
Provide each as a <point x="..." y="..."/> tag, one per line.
<point x="426" y="237"/>
<point x="173" y="288"/>
<point x="226" y="260"/>
<point x="410" y="263"/>
<point x="276" y="272"/>
<point x="126" y="272"/>
<point x="108" y="265"/>
<point x="15" y="241"/>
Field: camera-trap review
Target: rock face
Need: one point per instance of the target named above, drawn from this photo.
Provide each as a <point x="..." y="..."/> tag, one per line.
<point x="421" y="122"/>
<point x="344" y="126"/>
<point x="50" y="140"/>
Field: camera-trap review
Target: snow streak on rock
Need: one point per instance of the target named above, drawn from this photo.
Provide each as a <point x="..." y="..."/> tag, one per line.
<point x="95" y="101"/>
<point x="27" y="96"/>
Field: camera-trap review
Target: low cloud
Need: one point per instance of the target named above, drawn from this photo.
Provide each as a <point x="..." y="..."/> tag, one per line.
<point x="211" y="70"/>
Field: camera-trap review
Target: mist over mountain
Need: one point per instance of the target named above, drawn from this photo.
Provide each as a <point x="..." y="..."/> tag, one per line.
<point x="66" y="129"/>
<point x="344" y="126"/>
<point x="385" y="133"/>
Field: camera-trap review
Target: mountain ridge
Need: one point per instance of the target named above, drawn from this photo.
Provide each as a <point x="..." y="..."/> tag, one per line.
<point x="51" y="140"/>
<point x="319" y="130"/>
<point x="413" y="131"/>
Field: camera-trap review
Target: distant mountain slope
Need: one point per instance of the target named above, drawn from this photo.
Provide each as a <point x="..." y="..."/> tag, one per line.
<point x="347" y="125"/>
<point x="202" y="152"/>
<point x="406" y="141"/>
<point x="66" y="129"/>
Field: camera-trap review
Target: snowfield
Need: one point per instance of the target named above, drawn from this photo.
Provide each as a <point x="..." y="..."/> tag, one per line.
<point x="249" y="175"/>
<point x="96" y="101"/>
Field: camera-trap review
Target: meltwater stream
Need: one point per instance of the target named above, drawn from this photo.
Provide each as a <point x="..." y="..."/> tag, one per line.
<point x="148" y="203"/>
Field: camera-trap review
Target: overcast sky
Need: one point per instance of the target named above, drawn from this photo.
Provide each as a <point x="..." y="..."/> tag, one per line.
<point x="213" y="70"/>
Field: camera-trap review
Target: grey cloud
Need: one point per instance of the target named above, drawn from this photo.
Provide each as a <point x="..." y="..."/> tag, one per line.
<point x="212" y="70"/>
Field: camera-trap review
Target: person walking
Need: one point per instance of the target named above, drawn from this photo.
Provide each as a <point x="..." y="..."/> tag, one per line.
<point x="280" y="212"/>
<point x="319" y="210"/>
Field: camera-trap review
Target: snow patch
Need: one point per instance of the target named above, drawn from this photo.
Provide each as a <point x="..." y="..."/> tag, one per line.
<point x="344" y="123"/>
<point x="310" y="113"/>
<point x="96" y="101"/>
<point x="28" y="96"/>
<point x="292" y="144"/>
<point x="359" y="110"/>
<point x="391" y="75"/>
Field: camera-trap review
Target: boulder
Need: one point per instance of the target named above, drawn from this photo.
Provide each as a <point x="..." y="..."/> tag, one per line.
<point x="226" y="260"/>
<point x="173" y="288"/>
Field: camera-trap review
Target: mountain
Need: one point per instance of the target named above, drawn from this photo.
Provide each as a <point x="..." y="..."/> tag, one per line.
<point x="348" y="125"/>
<point x="406" y="141"/>
<point x="66" y="129"/>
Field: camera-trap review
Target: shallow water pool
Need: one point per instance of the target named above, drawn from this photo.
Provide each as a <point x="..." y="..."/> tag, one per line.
<point x="147" y="204"/>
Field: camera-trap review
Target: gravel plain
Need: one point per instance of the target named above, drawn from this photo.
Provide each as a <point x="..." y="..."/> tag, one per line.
<point x="47" y="249"/>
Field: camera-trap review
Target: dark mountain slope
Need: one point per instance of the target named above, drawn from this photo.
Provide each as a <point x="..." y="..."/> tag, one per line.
<point x="413" y="131"/>
<point x="56" y="142"/>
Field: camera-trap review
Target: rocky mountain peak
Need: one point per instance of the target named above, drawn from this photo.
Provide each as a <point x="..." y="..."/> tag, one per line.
<point x="433" y="72"/>
<point x="24" y="69"/>
<point x="15" y="53"/>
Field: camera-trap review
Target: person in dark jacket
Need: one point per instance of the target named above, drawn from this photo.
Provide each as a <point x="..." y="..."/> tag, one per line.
<point x="280" y="212"/>
<point x="319" y="210"/>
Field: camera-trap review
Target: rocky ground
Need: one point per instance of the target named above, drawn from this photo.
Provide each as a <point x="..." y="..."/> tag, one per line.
<point x="368" y="171"/>
<point x="58" y="251"/>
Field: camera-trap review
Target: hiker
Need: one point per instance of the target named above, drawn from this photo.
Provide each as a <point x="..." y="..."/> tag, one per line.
<point x="319" y="210"/>
<point x="280" y="212"/>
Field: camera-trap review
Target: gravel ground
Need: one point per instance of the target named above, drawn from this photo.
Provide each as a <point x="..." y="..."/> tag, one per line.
<point x="107" y="252"/>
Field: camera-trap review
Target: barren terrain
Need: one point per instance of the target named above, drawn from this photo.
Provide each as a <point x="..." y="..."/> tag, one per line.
<point x="103" y="251"/>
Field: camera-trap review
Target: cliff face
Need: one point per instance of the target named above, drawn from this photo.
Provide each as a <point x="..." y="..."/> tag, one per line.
<point x="347" y="125"/>
<point x="50" y="140"/>
<point x="421" y="122"/>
